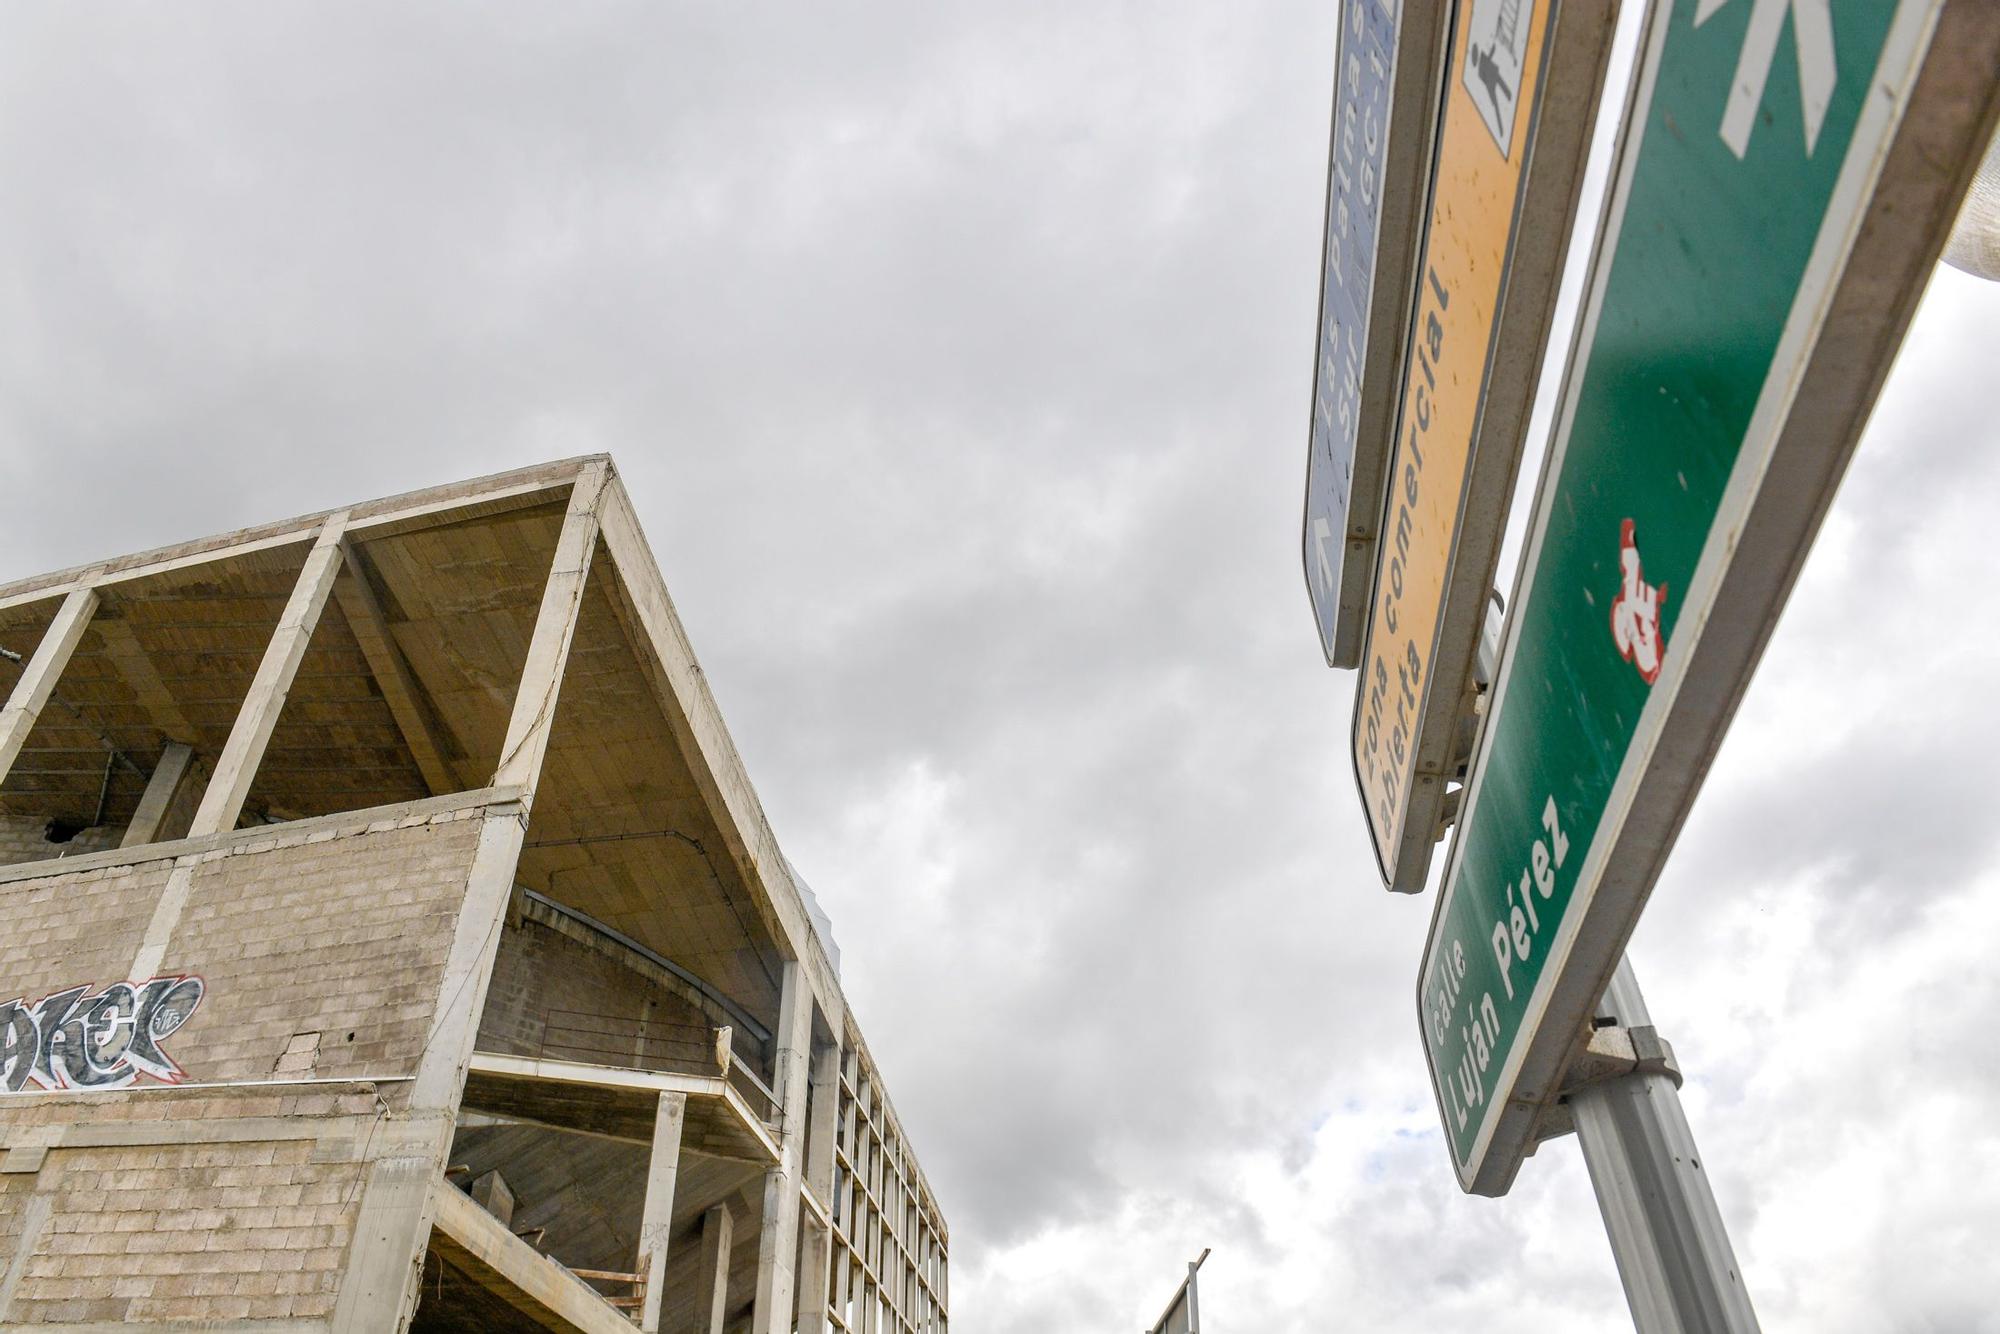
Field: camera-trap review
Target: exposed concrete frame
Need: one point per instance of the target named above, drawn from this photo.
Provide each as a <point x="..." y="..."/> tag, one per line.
<point x="639" y="597"/>
<point x="135" y="667"/>
<point x="398" y="1198"/>
<point x="397" y="1205"/>
<point x="584" y="1075"/>
<point x="816" y="1258"/>
<point x="776" y="1260"/>
<point x="711" y="1300"/>
<point x="555" y="628"/>
<point x="41" y="672"/>
<point x="915" y="1246"/>
<point x="379" y="1290"/>
<point x="170" y="775"/>
<point x="383" y="517"/>
<point x="825" y="1112"/>
<point x="176" y="849"/>
<point x="469" y="966"/>
<point x="857" y="1045"/>
<point x="355" y="591"/>
<point x="534" y="1284"/>
<point x="236" y="767"/>
<point x="656" y="1224"/>
<point x="475" y="1117"/>
<point x="404" y="1185"/>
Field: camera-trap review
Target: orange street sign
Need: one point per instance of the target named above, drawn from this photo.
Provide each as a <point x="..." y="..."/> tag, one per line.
<point x="1521" y="95"/>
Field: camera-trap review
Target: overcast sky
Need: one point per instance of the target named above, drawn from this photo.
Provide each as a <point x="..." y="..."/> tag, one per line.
<point x="958" y="358"/>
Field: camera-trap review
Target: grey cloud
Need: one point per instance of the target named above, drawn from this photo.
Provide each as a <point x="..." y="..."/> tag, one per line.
<point x="958" y="358"/>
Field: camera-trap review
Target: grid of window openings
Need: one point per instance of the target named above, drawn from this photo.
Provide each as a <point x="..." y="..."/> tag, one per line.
<point x="890" y="1246"/>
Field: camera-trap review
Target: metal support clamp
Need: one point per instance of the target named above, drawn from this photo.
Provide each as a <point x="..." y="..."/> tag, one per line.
<point x="1614" y="1050"/>
<point x="1601" y="1053"/>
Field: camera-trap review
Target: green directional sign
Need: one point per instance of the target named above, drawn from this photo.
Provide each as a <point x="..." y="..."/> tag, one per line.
<point x="1787" y="174"/>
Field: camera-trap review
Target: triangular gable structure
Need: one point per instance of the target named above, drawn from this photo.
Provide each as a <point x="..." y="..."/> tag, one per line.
<point x="622" y="956"/>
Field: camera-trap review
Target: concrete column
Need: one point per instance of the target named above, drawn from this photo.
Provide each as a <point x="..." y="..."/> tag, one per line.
<point x="816" y="1259"/>
<point x="657" y="1220"/>
<point x="169" y="776"/>
<point x="378" y="1288"/>
<point x="777" y="1255"/>
<point x="825" y="1113"/>
<point x="711" y="1302"/>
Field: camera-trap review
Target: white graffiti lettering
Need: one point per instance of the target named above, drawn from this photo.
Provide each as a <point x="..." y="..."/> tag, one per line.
<point x="103" y="1040"/>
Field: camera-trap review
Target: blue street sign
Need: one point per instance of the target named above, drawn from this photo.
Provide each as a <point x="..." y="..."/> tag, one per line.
<point x="1378" y="169"/>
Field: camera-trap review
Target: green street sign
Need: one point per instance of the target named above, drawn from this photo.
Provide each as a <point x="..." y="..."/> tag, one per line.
<point x="1787" y="174"/>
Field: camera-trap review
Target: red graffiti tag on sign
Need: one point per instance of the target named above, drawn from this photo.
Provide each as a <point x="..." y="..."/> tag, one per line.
<point x="1635" y="612"/>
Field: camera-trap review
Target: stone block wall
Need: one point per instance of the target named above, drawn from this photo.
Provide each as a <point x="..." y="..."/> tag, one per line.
<point x="68" y="928"/>
<point x="340" y="940"/>
<point x="227" y="1188"/>
<point x="190" y="1205"/>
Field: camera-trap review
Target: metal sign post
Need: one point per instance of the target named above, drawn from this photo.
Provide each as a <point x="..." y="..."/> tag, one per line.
<point x="1667" y="1236"/>
<point x="1787" y="174"/>
<point x="1183" y="1313"/>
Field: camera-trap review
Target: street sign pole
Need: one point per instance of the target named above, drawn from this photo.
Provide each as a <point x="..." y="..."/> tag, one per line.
<point x="1666" y="1234"/>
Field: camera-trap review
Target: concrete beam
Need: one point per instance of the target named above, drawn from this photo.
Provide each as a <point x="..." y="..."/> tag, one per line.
<point x="135" y="667"/>
<point x="555" y="627"/>
<point x="236" y="767"/>
<point x="597" y="1076"/>
<point x="390" y="514"/>
<point x="41" y="672"/>
<point x="619" y="1103"/>
<point x="356" y="596"/>
<point x="527" y="1280"/>
<point x="170" y="776"/>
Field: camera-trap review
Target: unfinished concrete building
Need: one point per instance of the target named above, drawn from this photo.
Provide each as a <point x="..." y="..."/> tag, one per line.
<point x="391" y="939"/>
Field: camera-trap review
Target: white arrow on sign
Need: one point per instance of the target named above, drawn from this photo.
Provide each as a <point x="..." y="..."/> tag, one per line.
<point x="1323" y="534"/>
<point x="1812" y="30"/>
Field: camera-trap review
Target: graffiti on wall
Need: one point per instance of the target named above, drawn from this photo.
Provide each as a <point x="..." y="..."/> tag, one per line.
<point x="79" y="1039"/>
